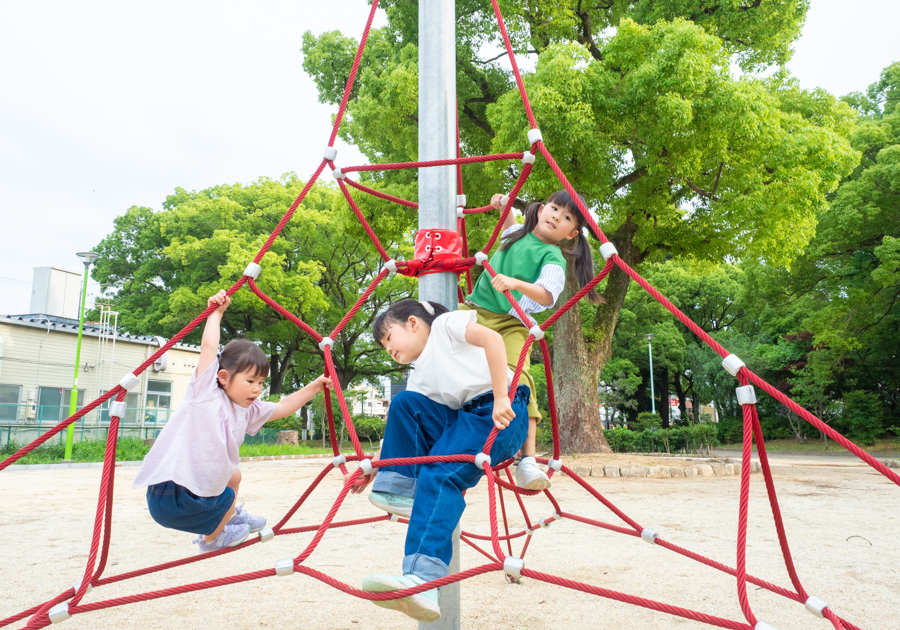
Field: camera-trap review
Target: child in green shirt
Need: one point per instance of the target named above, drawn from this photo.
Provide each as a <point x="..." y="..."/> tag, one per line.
<point x="532" y="267"/>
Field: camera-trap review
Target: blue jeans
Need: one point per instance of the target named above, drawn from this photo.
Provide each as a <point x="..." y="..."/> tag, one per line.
<point x="418" y="426"/>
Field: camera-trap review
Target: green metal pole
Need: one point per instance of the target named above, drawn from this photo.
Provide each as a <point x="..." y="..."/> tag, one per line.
<point x="73" y="399"/>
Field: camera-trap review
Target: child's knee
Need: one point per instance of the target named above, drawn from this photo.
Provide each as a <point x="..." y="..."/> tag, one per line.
<point x="235" y="480"/>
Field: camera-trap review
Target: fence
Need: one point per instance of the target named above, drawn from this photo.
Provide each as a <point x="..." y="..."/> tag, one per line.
<point x="24" y="423"/>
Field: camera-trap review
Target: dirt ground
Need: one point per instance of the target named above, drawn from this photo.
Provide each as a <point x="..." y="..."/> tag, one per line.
<point x="842" y="521"/>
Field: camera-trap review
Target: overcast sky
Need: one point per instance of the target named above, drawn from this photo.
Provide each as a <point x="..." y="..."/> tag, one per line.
<point x="105" y="105"/>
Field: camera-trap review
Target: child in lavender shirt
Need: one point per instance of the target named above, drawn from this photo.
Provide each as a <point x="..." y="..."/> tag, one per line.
<point x="191" y="473"/>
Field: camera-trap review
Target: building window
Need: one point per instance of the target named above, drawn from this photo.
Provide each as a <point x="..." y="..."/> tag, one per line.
<point x="159" y="402"/>
<point x="53" y="403"/>
<point x="9" y="402"/>
<point x="132" y="409"/>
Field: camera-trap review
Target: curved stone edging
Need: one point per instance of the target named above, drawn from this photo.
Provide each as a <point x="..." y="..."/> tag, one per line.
<point x="710" y="468"/>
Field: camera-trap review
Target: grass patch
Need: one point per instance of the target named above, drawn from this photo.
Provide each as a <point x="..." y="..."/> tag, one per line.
<point x="817" y="446"/>
<point x="133" y="449"/>
<point x="128" y="449"/>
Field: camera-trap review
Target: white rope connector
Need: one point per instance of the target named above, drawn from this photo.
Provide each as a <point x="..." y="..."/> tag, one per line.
<point x="503" y="201"/>
<point x="536" y="332"/>
<point x="513" y="566"/>
<point x="77" y="586"/>
<point x="330" y="154"/>
<point x="480" y="257"/>
<point x="117" y="409"/>
<point x="746" y="395"/>
<point x="460" y="212"/>
<point x="59" y="613"/>
<point x="608" y="250"/>
<point x="391" y="265"/>
<point x="534" y="135"/>
<point x="253" y="270"/>
<point x="732" y="364"/>
<point x="338" y="460"/>
<point x="460" y="200"/>
<point x="555" y="464"/>
<point x="762" y="625"/>
<point x="395" y="518"/>
<point x="284" y="566"/>
<point x="528" y="157"/>
<point x="366" y="466"/>
<point x="129" y="381"/>
<point x="326" y="341"/>
<point x="338" y="173"/>
<point x="481" y="459"/>
<point x="265" y="535"/>
<point x="816" y="606"/>
<point x="650" y="536"/>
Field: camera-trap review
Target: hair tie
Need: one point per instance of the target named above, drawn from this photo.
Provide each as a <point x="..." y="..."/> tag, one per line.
<point x="428" y="307"/>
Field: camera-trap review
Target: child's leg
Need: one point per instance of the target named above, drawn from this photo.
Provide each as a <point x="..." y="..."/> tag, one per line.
<point x="529" y="448"/>
<point x="439" y="500"/>
<point x="414" y="424"/>
<point x="234" y="483"/>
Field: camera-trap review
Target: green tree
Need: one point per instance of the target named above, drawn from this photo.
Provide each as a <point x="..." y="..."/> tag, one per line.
<point x="160" y="267"/>
<point x="843" y="292"/>
<point x="676" y="156"/>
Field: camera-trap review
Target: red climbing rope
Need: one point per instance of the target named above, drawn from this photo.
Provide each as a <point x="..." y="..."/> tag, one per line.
<point x="98" y="552"/>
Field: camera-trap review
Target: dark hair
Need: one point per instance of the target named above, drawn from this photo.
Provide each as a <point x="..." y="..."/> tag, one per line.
<point x="400" y="312"/>
<point x="241" y="355"/>
<point x="581" y="252"/>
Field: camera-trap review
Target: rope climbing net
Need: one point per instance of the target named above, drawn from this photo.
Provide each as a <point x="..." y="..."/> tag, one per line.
<point x="500" y="554"/>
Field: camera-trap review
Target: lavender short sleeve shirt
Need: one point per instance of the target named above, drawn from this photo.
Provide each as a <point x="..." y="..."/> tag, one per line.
<point x="198" y="447"/>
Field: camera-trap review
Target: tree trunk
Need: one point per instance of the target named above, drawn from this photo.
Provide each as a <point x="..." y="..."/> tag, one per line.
<point x="682" y="400"/>
<point x="576" y="376"/>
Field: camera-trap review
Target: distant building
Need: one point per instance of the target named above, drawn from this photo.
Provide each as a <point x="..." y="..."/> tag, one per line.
<point x="367" y="400"/>
<point x="37" y="366"/>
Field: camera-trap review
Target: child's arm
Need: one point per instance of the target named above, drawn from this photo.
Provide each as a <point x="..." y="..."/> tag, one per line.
<point x="292" y="403"/>
<point x="536" y="292"/>
<point x="209" y="344"/>
<point x="495" y="351"/>
<point x="510" y="218"/>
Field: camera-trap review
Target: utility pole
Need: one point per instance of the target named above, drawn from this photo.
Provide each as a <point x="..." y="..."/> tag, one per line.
<point x="652" y="393"/>
<point x="87" y="259"/>
<point x="437" y="191"/>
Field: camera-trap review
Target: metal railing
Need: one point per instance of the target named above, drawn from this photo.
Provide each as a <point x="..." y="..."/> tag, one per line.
<point x="24" y="423"/>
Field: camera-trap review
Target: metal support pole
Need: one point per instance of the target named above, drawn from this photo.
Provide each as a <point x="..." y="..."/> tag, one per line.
<point x="437" y="133"/>
<point x="437" y="191"/>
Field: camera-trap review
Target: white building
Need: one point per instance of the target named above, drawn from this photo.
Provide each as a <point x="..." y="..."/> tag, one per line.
<point x="367" y="400"/>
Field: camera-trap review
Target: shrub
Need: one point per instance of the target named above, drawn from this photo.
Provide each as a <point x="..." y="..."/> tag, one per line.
<point x="862" y="413"/>
<point x="646" y="420"/>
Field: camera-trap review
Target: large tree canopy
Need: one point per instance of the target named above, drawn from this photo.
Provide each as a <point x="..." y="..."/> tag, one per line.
<point x="162" y="266"/>
<point x="639" y="105"/>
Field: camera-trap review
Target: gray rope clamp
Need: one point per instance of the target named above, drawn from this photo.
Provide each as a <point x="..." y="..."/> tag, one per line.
<point x="284" y="566"/>
<point x="265" y="535"/>
<point x="253" y="270"/>
<point x="326" y="341"/>
<point x="513" y="566"/>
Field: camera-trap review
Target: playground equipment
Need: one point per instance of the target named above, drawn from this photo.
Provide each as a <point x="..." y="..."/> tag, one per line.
<point x="500" y="559"/>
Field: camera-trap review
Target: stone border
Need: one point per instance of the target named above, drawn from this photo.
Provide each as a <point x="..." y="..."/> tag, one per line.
<point x="709" y="468"/>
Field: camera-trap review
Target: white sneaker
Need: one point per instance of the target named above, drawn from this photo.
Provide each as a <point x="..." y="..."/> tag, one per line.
<point x="529" y="475"/>
<point x="423" y="606"/>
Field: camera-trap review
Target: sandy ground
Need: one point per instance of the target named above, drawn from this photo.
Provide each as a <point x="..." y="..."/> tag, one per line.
<point x="842" y="521"/>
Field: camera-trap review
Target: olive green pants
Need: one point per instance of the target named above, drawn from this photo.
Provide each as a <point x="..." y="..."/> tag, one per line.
<point x="514" y="335"/>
